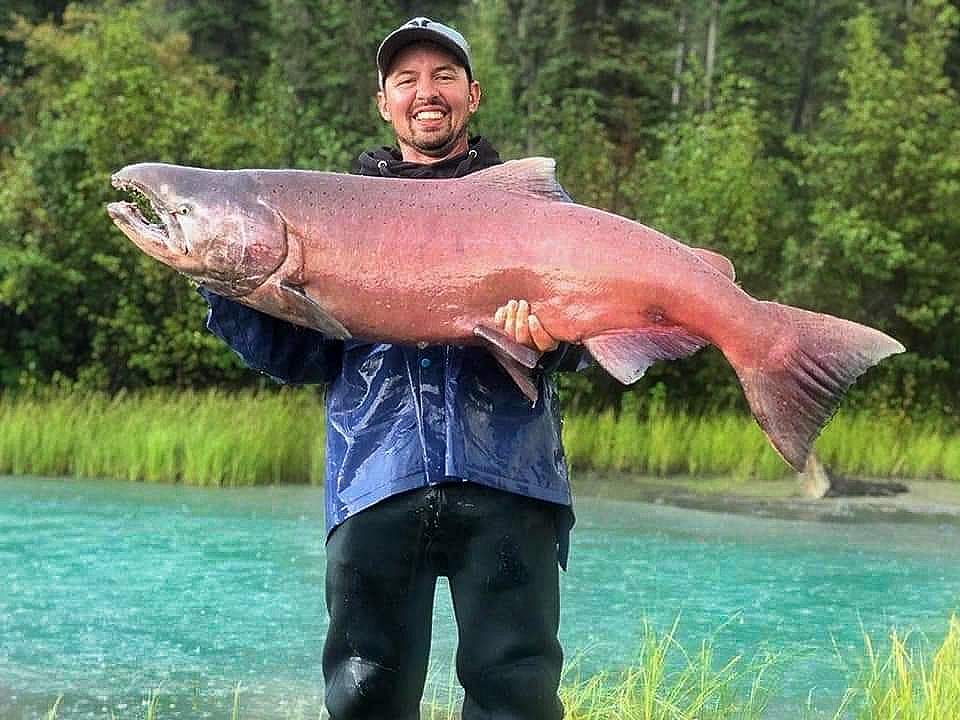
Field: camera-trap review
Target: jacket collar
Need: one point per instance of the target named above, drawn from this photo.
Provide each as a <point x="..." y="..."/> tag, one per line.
<point x="387" y="162"/>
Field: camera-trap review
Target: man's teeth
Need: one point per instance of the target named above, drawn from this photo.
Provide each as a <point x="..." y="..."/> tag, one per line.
<point x="429" y="115"/>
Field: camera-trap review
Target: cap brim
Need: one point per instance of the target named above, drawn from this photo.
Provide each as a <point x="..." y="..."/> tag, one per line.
<point x="399" y="39"/>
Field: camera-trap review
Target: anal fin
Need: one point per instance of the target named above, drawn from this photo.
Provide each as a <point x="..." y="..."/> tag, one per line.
<point x="626" y="354"/>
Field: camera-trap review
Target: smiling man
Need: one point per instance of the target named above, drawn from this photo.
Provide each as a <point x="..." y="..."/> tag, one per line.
<point x="428" y="97"/>
<point x="437" y="464"/>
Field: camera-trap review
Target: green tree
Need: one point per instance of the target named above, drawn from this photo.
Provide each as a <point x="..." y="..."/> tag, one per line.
<point x="713" y="186"/>
<point x="884" y="176"/>
<point x="104" y="89"/>
<point x="11" y="52"/>
<point x="785" y="49"/>
<point x="322" y="80"/>
<point x="576" y="81"/>
<point x="232" y="35"/>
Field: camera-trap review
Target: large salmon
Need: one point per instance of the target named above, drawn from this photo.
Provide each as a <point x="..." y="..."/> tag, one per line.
<point x="428" y="261"/>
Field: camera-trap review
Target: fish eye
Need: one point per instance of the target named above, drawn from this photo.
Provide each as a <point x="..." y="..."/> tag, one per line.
<point x="183" y="209"/>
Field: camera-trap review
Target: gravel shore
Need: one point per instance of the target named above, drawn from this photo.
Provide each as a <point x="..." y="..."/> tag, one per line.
<point x="925" y="499"/>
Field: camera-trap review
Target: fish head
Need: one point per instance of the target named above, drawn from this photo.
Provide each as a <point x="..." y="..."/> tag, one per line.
<point x="210" y="225"/>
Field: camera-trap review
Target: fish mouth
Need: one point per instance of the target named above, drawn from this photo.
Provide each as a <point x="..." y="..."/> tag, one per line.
<point x="146" y="216"/>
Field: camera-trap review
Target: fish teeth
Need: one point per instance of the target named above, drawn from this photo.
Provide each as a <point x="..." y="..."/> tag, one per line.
<point x="139" y="194"/>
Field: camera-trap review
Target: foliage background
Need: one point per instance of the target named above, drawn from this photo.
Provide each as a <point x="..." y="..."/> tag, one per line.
<point x="815" y="142"/>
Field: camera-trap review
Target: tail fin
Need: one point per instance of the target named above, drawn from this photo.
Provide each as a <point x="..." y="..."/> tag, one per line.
<point x="796" y="387"/>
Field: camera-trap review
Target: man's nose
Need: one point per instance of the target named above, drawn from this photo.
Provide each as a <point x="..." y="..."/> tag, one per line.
<point x="426" y="88"/>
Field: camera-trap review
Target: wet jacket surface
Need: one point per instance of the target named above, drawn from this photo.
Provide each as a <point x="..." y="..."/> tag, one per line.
<point x="402" y="417"/>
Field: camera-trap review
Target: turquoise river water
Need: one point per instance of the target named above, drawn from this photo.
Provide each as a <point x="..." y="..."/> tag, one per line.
<point x="110" y="589"/>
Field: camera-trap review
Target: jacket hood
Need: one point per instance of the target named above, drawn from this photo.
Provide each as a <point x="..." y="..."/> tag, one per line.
<point x="387" y="162"/>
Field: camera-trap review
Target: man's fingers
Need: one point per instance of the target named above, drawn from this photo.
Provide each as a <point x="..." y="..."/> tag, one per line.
<point x="510" y="322"/>
<point x="523" y="328"/>
<point x="544" y="341"/>
<point x="517" y="322"/>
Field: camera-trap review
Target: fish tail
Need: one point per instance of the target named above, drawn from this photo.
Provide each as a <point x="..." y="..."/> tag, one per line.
<point x="797" y="384"/>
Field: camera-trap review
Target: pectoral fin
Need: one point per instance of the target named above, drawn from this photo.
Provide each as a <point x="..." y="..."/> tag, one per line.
<point x="312" y="313"/>
<point x="527" y="357"/>
<point x="522" y="376"/>
<point x="627" y="354"/>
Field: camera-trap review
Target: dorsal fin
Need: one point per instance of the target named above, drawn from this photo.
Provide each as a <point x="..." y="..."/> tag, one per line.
<point x="530" y="176"/>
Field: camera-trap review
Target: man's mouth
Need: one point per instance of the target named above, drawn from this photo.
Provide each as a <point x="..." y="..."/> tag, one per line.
<point x="429" y="115"/>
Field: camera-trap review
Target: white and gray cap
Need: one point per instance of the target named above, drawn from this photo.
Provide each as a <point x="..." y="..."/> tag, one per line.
<point x="422" y="28"/>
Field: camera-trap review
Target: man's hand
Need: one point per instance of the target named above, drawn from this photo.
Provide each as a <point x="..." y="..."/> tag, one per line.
<point x="516" y="322"/>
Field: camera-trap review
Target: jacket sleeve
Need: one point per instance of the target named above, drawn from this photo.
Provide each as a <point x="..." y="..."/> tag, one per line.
<point x="286" y="352"/>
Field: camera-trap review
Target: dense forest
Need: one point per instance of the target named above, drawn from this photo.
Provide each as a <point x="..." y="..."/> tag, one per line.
<point x="814" y="142"/>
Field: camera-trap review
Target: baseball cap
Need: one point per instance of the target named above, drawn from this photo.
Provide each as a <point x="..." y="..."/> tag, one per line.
<point x="422" y="28"/>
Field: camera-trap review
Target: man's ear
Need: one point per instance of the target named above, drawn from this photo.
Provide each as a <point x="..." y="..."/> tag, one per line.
<point x="382" y="106"/>
<point x="474" y="96"/>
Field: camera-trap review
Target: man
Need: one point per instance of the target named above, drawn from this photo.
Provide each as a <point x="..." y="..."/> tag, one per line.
<point x="437" y="465"/>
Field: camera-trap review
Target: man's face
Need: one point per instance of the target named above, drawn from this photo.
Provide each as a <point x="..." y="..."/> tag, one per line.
<point x="428" y="99"/>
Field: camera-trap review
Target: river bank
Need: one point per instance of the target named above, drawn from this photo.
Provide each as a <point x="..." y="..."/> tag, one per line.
<point x="783" y="499"/>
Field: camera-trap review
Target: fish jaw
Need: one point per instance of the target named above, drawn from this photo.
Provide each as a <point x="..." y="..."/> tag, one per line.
<point x="149" y="237"/>
<point x="164" y="241"/>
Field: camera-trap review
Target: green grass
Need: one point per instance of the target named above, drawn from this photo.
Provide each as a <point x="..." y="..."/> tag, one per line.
<point x="671" y="444"/>
<point x="248" y="438"/>
<point x="196" y="438"/>
<point x="668" y="682"/>
<point x="906" y="683"/>
<point x="866" y="444"/>
<point x="726" y="444"/>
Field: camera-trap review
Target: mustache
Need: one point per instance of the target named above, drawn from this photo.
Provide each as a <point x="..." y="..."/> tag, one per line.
<point x="435" y="102"/>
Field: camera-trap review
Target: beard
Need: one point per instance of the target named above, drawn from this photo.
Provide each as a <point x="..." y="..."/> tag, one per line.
<point x="437" y="143"/>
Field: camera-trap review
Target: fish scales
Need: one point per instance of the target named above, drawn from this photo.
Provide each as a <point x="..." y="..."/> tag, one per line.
<point x="461" y="273"/>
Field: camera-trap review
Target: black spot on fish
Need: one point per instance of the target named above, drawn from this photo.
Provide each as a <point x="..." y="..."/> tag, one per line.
<point x="656" y="315"/>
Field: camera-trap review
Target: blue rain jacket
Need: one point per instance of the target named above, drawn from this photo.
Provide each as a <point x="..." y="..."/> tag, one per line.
<point x="401" y="417"/>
